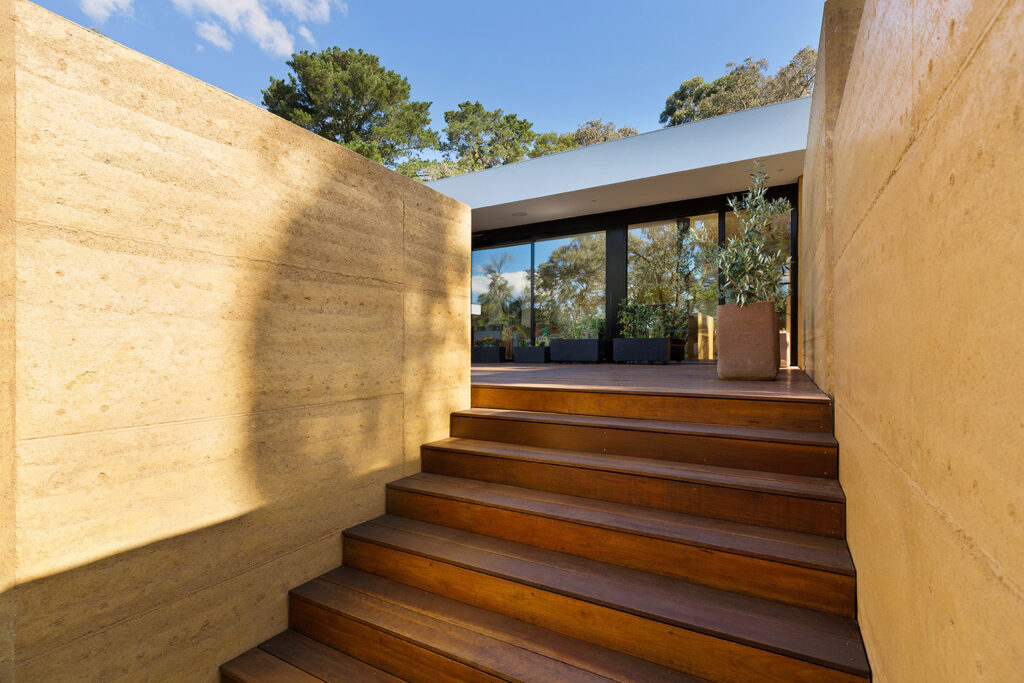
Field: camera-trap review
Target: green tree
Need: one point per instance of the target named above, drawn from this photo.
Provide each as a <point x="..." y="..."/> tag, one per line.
<point x="348" y="97"/>
<point x="743" y="86"/>
<point x="426" y="170"/>
<point x="552" y="143"/>
<point x="595" y="131"/>
<point x="478" y="138"/>
<point x="589" y="133"/>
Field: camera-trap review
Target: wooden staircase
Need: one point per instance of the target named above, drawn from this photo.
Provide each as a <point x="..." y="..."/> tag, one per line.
<point x="593" y="535"/>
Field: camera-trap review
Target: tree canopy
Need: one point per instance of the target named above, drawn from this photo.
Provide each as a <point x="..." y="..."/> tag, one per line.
<point x="743" y="86"/>
<point x="479" y="138"/>
<point x="589" y="133"/>
<point x="349" y="97"/>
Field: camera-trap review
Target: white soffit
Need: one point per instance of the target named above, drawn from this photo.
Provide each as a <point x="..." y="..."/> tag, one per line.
<point x="692" y="160"/>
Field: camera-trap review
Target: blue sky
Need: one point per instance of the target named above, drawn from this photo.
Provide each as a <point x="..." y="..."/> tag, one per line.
<point x="556" y="62"/>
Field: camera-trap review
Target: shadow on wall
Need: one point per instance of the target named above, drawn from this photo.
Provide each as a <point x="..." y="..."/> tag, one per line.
<point x="255" y="351"/>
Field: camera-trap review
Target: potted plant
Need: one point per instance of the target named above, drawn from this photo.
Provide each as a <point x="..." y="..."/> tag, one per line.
<point x="644" y="341"/>
<point x="752" y="265"/>
<point x="581" y="343"/>
<point x="487" y="350"/>
<point x="532" y="353"/>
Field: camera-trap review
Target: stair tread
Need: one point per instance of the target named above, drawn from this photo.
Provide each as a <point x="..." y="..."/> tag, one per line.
<point x="766" y="482"/>
<point x="487" y="641"/>
<point x="816" y="637"/>
<point x="742" y="432"/>
<point x="259" y="666"/>
<point x="791" y="547"/>
<point x="321" y="660"/>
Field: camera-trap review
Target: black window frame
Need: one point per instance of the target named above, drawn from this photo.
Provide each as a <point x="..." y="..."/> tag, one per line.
<point x="615" y="225"/>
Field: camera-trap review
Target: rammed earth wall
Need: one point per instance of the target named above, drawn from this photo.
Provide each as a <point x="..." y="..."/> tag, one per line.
<point x="910" y="260"/>
<point x="229" y="335"/>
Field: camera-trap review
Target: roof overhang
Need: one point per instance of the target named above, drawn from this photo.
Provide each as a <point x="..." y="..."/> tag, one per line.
<point x="698" y="159"/>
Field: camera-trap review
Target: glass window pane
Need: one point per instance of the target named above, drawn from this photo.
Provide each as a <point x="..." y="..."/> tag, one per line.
<point x="668" y="268"/>
<point x="732" y="228"/>
<point x="501" y="295"/>
<point x="569" y="284"/>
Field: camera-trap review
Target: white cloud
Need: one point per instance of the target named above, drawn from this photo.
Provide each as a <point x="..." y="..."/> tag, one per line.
<point x="100" y="10"/>
<point x="518" y="279"/>
<point x="256" y="19"/>
<point x="213" y="33"/>
<point x="307" y="10"/>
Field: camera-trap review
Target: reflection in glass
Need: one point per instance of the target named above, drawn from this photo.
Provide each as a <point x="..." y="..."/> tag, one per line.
<point x="501" y="295"/>
<point x="569" y="283"/>
<point x="668" y="267"/>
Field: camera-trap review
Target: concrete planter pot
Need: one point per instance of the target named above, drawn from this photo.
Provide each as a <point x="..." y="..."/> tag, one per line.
<point x="576" y="350"/>
<point x="487" y="354"/>
<point x="654" y="350"/>
<point x="531" y="354"/>
<point x="748" y="341"/>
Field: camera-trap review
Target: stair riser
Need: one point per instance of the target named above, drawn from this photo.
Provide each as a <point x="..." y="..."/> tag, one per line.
<point x="378" y="648"/>
<point x="766" y="456"/>
<point x="801" y="586"/>
<point x="738" y="505"/>
<point x="697" y="653"/>
<point x="798" y="415"/>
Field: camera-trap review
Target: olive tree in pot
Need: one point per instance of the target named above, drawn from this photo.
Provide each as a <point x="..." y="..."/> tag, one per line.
<point x="645" y="340"/>
<point x="752" y="265"/>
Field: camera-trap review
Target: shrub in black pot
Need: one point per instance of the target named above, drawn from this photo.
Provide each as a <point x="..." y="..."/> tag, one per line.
<point x="645" y="340"/>
<point x="532" y="354"/>
<point x="487" y="350"/>
<point x="581" y="344"/>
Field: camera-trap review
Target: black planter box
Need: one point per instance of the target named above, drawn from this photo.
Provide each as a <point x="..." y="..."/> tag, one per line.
<point x="576" y="350"/>
<point x="532" y="354"/>
<point x="641" y="350"/>
<point x="487" y="354"/>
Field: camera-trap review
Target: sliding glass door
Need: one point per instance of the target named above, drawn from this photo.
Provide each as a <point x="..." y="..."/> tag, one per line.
<point x="500" y="310"/>
<point x="569" y="283"/>
<point x="668" y="268"/>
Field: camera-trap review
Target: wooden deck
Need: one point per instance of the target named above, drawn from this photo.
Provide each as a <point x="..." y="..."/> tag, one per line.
<point x="697" y="379"/>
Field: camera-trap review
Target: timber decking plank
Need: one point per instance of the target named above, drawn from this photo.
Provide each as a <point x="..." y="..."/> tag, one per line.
<point x="257" y="666"/>
<point x="815" y="488"/>
<point x="805" y="504"/>
<point x="322" y="661"/>
<point x="742" y="432"/>
<point x="493" y="657"/>
<point x="686" y="379"/>
<point x="776" y="450"/>
<point x="709" y="409"/>
<point x="745" y="559"/>
<point x="665" y="607"/>
<point x="791" y="547"/>
<point x="587" y="656"/>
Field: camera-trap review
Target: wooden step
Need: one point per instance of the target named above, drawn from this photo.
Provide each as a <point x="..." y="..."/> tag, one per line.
<point x="806" y="504"/>
<point x="703" y="631"/>
<point x="420" y="636"/>
<point x="812" y="414"/>
<point x="785" y="451"/>
<point x="798" y="569"/>
<point x="293" y="658"/>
